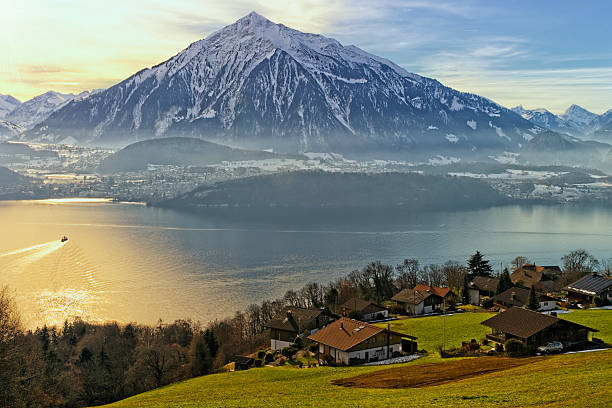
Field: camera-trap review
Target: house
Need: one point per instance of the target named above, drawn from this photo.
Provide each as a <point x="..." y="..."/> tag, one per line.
<point x="587" y="288"/>
<point x="294" y="321"/>
<point x="543" y="278"/>
<point x="534" y="328"/>
<point x="520" y="297"/>
<point x="481" y="287"/>
<point x="448" y="296"/>
<point x="367" y="310"/>
<point x="417" y="302"/>
<point x="348" y="341"/>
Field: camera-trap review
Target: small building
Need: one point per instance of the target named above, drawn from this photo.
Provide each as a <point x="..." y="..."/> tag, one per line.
<point x="448" y="296"/>
<point x="587" y="288"/>
<point x="417" y="302"/>
<point x="294" y="321"/>
<point x="481" y="287"/>
<point x="348" y="341"/>
<point x="368" y="310"/>
<point x="543" y="278"/>
<point x="520" y="297"/>
<point x="534" y="328"/>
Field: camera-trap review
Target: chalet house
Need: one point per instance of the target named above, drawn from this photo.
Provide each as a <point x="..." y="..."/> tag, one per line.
<point x="534" y="328"/>
<point x="417" y="302"/>
<point x="482" y="287"/>
<point x="587" y="288"/>
<point x="294" y="321"/>
<point x="520" y="297"/>
<point x="449" y="297"/>
<point x="544" y="278"/>
<point x="347" y="341"/>
<point x="369" y="311"/>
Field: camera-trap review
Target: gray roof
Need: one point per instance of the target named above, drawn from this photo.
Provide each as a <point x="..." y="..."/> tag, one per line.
<point x="591" y="285"/>
<point x="521" y="297"/>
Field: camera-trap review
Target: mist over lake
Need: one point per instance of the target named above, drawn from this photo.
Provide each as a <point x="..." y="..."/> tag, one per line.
<point x="129" y="262"/>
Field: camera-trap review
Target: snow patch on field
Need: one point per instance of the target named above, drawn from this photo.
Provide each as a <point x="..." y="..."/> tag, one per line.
<point x="451" y="138"/>
<point x="440" y="160"/>
<point x="472" y="124"/>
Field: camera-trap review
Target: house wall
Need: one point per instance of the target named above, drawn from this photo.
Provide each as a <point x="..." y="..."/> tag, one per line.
<point x="474" y="296"/>
<point x="375" y="353"/>
<point x="374" y="316"/>
<point x="548" y="305"/>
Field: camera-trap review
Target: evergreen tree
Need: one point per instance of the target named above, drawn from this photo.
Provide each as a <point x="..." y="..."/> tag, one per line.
<point x="465" y="292"/>
<point x="479" y="266"/>
<point x="505" y="282"/>
<point x="533" y="303"/>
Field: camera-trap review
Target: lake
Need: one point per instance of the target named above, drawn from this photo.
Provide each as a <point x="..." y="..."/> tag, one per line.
<point x="128" y="262"/>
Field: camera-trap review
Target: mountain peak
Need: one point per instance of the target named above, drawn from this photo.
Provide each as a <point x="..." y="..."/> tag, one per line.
<point x="578" y="115"/>
<point x="255" y="18"/>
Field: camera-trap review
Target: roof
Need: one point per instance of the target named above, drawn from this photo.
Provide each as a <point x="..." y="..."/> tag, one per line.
<point x="521" y="297"/>
<point x="484" y="283"/>
<point x="438" y="290"/>
<point x="530" y="274"/>
<point x="345" y="333"/>
<point x="591" y="285"/>
<point x="524" y="323"/>
<point x="360" y="305"/>
<point x="413" y="297"/>
<point x="294" y="319"/>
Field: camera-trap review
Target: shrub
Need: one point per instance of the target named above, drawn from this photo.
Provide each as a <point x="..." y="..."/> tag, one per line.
<point x="397" y="309"/>
<point x="314" y="348"/>
<point x="298" y="342"/>
<point x="289" y="351"/>
<point x="514" y="347"/>
<point x="499" y="348"/>
<point x="353" y="314"/>
<point x="268" y="358"/>
<point x="487" y="303"/>
<point x="261" y="354"/>
<point x="598" y="301"/>
<point x="258" y="363"/>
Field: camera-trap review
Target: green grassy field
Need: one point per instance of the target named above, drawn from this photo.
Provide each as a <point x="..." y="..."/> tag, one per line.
<point x="548" y="382"/>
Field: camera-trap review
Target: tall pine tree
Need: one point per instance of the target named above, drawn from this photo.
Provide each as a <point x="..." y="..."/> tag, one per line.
<point x="533" y="303"/>
<point x="465" y="291"/>
<point x="479" y="266"/>
<point x="505" y="282"/>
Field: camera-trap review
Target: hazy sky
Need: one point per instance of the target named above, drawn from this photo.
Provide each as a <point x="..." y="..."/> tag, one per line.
<point x="537" y="53"/>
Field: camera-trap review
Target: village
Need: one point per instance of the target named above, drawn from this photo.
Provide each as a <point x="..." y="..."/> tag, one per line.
<point x="526" y="309"/>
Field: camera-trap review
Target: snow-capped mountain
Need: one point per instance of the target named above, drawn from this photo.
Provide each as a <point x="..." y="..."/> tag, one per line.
<point x="259" y="84"/>
<point x="548" y="120"/>
<point x="9" y="130"/>
<point x="37" y="109"/>
<point x="7" y="104"/>
<point x="578" y="116"/>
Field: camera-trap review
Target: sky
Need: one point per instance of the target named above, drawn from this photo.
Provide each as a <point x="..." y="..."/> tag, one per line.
<point x="540" y="54"/>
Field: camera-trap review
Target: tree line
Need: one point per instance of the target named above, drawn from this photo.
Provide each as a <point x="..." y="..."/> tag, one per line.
<point x="84" y="364"/>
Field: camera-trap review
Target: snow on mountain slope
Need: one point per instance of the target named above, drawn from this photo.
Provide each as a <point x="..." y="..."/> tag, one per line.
<point x="37" y="109"/>
<point x="9" y="130"/>
<point x="258" y="84"/>
<point x="548" y="120"/>
<point x="7" y="104"/>
<point x="576" y="115"/>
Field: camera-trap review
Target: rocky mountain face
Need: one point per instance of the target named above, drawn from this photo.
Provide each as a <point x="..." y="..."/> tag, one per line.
<point x="39" y="108"/>
<point x="7" y="104"/>
<point x="258" y="84"/>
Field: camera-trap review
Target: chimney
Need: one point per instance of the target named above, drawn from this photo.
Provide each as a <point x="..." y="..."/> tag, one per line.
<point x="289" y="315"/>
<point x="341" y="325"/>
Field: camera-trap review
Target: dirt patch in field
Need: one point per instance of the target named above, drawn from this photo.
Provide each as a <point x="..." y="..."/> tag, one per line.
<point x="424" y="375"/>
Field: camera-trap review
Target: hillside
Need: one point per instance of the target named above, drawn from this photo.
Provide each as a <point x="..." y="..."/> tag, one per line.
<point x="520" y="385"/>
<point x="321" y="191"/>
<point x="258" y="84"/>
<point x="554" y="148"/>
<point x="178" y="151"/>
<point x="10" y="178"/>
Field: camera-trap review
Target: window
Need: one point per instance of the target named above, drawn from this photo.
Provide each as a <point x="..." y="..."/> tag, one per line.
<point x="383" y="337"/>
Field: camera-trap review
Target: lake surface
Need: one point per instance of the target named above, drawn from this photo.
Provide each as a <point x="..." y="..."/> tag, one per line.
<point x="129" y="262"/>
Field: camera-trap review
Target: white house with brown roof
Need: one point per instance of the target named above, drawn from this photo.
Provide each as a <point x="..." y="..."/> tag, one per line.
<point x="294" y="321"/>
<point x="417" y="302"/>
<point x="348" y="341"/>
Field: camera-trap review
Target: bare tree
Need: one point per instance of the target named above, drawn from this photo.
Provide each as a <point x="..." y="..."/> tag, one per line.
<point x="433" y="275"/>
<point x="518" y="262"/>
<point x="408" y="274"/>
<point x="576" y="264"/>
<point x="453" y="274"/>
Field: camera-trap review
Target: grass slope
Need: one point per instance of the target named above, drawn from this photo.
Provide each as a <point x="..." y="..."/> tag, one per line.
<point x="524" y="386"/>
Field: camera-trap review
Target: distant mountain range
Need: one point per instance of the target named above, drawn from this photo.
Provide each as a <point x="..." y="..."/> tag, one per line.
<point x="257" y="84"/>
<point x="9" y="130"/>
<point x="177" y="151"/>
<point x="575" y="121"/>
